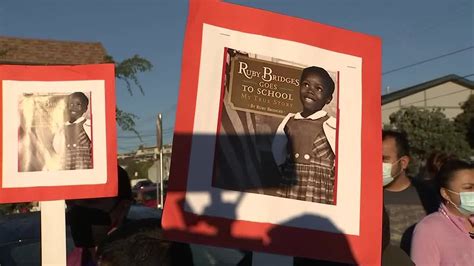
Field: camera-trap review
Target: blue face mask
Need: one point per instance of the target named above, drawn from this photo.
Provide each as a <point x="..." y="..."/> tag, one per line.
<point x="467" y="202"/>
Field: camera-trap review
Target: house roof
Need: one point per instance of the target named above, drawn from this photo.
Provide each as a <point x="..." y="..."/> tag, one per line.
<point x="22" y="51"/>
<point x="387" y="98"/>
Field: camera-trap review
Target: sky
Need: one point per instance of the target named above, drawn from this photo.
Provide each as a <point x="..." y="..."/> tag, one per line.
<point x="439" y="32"/>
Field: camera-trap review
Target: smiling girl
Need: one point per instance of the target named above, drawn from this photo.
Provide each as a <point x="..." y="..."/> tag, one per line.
<point x="73" y="142"/>
<point x="304" y="143"/>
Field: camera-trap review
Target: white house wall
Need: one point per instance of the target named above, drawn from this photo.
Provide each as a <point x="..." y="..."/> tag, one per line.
<point x="448" y="96"/>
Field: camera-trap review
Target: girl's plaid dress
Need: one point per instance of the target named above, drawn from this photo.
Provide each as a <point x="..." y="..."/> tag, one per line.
<point x="78" y="147"/>
<point x="308" y="172"/>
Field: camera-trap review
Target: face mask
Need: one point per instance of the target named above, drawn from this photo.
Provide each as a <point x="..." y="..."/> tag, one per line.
<point x="387" y="173"/>
<point x="467" y="202"/>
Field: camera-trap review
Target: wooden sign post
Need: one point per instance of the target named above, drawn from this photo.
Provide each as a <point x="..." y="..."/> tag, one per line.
<point x="53" y="232"/>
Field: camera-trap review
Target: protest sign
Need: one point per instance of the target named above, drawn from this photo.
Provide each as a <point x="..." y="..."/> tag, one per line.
<point x="255" y="87"/>
<point x="58" y="132"/>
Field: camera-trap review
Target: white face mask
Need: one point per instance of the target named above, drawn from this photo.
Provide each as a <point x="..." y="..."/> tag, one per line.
<point x="467" y="202"/>
<point x="387" y="172"/>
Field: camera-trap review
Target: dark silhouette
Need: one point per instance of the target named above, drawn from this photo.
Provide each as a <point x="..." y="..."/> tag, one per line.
<point x="220" y="229"/>
<point x="91" y="220"/>
<point x="141" y="243"/>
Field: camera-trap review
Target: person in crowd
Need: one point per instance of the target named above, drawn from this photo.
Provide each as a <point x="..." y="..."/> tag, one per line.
<point x="446" y="237"/>
<point x="141" y="243"/>
<point x="392" y="255"/>
<point x="73" y="142"/>
<point x="405" y="200"/>
<point x="304" y="143"/>
<point x="434" y="162"/>
<point x="91" y="220"/>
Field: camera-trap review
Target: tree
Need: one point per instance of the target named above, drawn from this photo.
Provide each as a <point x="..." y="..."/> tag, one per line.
<point x="465" y="121"/>
<point x="127" y="71"/>
<point x="430" y="130"/>
<point x="129" y="68"/>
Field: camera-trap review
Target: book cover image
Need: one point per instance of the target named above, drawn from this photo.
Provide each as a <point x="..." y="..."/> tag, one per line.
<point x="54" y="131"/>
<point x="277" y="128"/>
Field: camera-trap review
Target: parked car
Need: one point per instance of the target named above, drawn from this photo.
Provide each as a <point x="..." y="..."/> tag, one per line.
<point x="146" y="196"/>
<point x="141" y="183"/>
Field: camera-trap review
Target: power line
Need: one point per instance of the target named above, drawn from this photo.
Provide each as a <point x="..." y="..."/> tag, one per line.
<point x="458" y="78"/>
<point x="427" y="99"/>
<point x="165" y="132"/>
<point x="143" y="120"/>
<point x="147" y="131"/>
<point x="427" y="60"/>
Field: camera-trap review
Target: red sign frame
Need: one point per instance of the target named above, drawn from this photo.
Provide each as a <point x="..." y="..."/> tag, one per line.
<point x="184" y="226"/>
<point x="103" y="72"/>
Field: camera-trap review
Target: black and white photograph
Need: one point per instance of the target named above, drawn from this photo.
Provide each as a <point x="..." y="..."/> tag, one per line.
<point x="54" y="131"/>
<point x="277" y="128"/>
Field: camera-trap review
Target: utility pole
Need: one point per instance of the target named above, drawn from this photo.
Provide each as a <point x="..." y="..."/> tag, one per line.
<point x="159" y="146"/>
